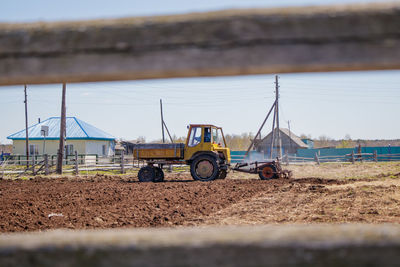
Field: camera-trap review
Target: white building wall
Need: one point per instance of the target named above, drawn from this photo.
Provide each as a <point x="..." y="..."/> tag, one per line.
<point x="100" y="147"/>
<point x="82" y="146"/>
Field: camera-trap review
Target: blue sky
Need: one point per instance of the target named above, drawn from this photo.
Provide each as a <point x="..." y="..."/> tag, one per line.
<point x="361" y="104"/>
<point x="50" y="10"/>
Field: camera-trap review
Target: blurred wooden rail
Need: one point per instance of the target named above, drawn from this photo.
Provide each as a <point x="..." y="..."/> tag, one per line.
<point x="271" y="245"/>
<point x="232" y="42"/>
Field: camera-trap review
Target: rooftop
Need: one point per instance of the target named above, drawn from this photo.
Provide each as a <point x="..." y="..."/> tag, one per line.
<point x="76" y="129"/>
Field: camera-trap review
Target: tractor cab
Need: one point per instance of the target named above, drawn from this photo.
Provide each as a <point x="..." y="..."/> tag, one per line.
<point x="206" y="152"/>
<point x="206" y="138"/>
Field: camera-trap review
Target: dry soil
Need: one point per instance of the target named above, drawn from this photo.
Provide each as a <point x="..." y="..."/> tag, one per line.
<point x="120" y="201"/>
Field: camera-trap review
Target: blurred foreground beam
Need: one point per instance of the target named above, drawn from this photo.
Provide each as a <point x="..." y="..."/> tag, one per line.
<point x="285" y="245"/>
<point x="232" y="42"/>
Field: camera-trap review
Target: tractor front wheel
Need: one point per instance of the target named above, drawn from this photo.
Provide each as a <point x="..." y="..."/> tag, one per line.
<point x="204" y="168"/>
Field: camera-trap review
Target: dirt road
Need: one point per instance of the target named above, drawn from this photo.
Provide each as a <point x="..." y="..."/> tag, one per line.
<point x="115" y="201"/>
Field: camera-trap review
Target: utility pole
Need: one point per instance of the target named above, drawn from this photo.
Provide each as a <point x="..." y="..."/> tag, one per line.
<point x="275" y="119"/>
<point x="62" y="132"/>
<point x="26" y="129"/>
<point x="277" y="116"/>
<point x="162" y="122"/>
<point x="273" y="131"/>
<point x="276" y="135"/>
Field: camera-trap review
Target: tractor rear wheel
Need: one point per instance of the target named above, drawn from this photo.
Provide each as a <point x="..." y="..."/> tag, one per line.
<point x="204" y="168"/>
<point x="159" y="177"/>
<point x="147" y="174"/>
<point x="267" y="172"/>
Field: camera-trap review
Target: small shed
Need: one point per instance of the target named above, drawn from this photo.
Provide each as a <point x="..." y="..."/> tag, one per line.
<point x="290" y="142"/>
<point x="80" y="136"/>
<point x="119" y="148"/>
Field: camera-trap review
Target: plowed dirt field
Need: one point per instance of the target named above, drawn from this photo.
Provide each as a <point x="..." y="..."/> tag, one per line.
<point x="120" y="201"/>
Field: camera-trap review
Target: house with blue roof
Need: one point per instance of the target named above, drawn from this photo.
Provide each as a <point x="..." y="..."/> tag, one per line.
<point x="80" y="136"/>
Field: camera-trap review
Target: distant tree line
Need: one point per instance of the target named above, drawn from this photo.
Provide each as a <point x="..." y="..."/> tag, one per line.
<point x="348" y="142"/>
<point x="242" y="141"/>
<point x="239" y="141"/>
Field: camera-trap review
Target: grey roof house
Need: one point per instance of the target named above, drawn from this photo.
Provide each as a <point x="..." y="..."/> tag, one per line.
<point x="290" y="143"/>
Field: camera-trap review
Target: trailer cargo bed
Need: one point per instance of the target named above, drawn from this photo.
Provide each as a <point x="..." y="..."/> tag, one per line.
<point x="158" y="151"/>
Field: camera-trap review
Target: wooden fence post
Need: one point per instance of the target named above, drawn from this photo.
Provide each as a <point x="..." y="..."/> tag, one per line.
<point x="360" y="156"/>
<point x="33" y="165"/>
<point x="122" y="162"/>
<point x="375" y="156"/>
<point x="76" y="163"/>
<point x="58" y="151"/>
<point x="352" y="157"/>
<point x="316" y="158"/>
<point x="46" y="164"/>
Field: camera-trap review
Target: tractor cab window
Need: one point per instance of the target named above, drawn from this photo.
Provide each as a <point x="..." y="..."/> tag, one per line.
<point x="195" y="137"/>
<point x="217" y="137"/>
<point x="207" y="135"/>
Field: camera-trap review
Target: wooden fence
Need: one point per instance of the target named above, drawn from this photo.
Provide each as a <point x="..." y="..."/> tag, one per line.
<point x="45" y="164"/>
<point x="353" y="158"/>
<point x="238" y="156"/>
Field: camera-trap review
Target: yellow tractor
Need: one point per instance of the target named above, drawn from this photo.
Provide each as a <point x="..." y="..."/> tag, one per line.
<point x="205" y="151"/>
